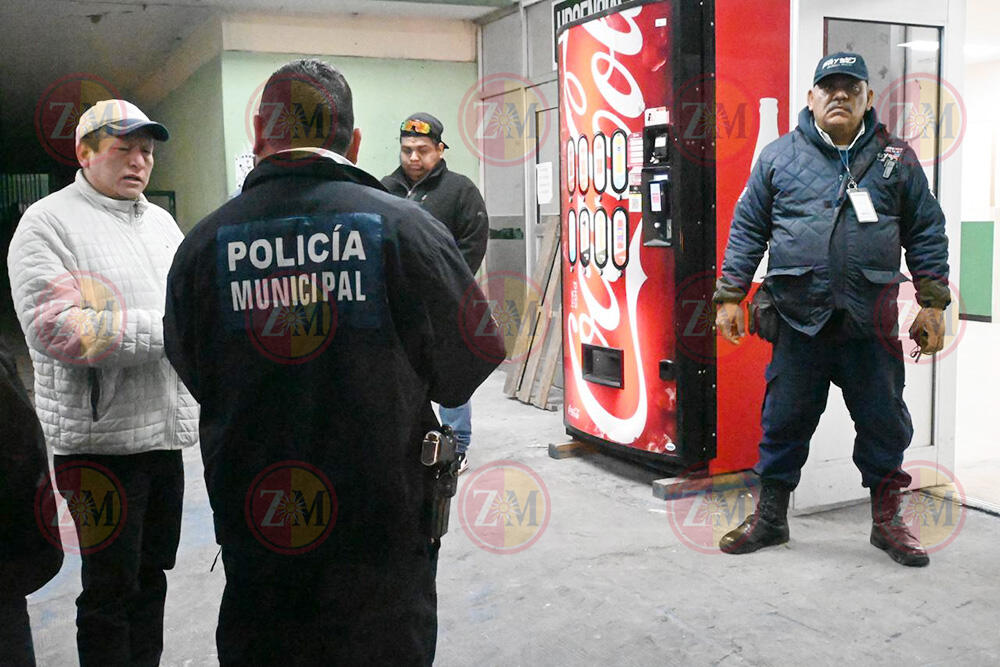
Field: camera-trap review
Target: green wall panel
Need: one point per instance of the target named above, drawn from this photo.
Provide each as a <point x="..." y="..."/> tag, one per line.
<point x="385" y="92"/>
<point x="192" y="162"/>
<point x="976" y="280"/>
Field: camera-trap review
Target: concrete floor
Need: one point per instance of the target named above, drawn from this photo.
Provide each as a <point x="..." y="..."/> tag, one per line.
<point x="610" y="582"/>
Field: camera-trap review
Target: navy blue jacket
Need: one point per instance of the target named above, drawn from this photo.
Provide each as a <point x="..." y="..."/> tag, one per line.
<point x="820" y="257"/>
<point x="342" y="382"/>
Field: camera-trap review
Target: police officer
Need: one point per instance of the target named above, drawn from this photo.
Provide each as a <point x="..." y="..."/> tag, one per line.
<point x="315" y="317"/>
<point x="835" y="202"/>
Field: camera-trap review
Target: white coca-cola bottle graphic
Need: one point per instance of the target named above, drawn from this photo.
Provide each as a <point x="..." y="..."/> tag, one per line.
<point x="767" y="133"/>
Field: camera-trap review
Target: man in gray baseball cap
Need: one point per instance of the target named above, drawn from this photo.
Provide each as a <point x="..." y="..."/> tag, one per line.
<point x="88" y="270"/>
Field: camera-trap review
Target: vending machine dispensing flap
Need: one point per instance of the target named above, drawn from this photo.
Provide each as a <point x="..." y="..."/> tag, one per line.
<point x="657" y="186"/>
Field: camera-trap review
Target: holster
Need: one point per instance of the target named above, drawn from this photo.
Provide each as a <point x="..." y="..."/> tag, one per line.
<point x="763" y="316"/>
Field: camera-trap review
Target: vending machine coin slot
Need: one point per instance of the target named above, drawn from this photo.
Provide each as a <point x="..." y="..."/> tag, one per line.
<point x="603" y="365"/>
<point x="657" y="187"/>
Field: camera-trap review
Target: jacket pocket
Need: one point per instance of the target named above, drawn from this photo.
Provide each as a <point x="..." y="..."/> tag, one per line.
<point x="791" y="289"/>
<point x="883" y="276"/>
<point x="103" y="386"/>
<point x="788" y="271"/>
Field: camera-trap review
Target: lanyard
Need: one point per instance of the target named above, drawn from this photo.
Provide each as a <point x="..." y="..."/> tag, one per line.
<point x="844" y="160"/>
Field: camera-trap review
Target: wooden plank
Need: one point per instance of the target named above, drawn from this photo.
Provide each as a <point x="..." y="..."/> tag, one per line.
<point x="570" y="449"/>
<point x="526" y="332"/>
<point x="550" y="359"/>
<point x="538" y="341"/>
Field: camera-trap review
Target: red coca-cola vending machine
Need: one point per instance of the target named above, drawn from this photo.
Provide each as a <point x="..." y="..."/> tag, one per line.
<point x="663" y="108"/>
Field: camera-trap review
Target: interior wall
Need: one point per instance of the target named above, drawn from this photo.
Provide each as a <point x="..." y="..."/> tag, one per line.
<point x="385" y="91"/>
<point x="192" y="162"/>
<point x="979" y="350"/>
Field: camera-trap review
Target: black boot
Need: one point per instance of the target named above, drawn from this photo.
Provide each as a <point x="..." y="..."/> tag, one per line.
<point x="766" y="527"/>
<point x="890" y="534"/>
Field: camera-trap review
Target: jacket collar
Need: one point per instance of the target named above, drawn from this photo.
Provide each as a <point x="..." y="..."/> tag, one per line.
<point x="119" y="206"/>
<point x="869" y="127"/>
<point x="439" y="169"/>
<point x="314" y="162"/>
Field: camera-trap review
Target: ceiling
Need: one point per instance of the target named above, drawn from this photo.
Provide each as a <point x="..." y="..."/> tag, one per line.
<point x="125" y="40"/>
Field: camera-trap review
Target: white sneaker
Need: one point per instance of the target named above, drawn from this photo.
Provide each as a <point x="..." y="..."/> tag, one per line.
<point x="463" y="464"/>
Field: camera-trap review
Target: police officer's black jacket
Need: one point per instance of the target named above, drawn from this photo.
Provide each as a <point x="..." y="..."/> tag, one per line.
<point x="343" y="385"/>
<point x="820" y="257"/>
<point x="27" y="559"/>
<point x="454" y="200"/>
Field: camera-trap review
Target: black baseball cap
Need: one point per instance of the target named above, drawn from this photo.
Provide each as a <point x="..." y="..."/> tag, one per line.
<point x="422" y="125"/>
<point x="841" y="62"/>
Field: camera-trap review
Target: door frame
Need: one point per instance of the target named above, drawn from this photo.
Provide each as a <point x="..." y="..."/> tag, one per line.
<point x="837" y="481"/>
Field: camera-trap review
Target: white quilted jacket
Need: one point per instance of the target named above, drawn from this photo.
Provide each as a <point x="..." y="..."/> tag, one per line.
<point x="88" y="275"/>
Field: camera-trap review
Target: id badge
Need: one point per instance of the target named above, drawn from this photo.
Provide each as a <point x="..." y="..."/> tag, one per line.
<point x="862" y="203"/>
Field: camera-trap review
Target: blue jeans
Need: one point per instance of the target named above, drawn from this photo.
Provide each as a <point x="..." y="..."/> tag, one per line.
<point x="798" y="381"/>
<point x="460" y="421"/>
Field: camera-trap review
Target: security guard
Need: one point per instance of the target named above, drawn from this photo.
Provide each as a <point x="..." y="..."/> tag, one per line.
<point x="835" y="202"/>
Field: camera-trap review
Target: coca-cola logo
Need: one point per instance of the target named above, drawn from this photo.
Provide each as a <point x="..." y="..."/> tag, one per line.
<point x="606" y="76"/>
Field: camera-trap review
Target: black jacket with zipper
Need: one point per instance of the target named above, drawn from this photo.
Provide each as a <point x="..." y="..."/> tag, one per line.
<point x="454" y="200"/>
<point x="346" y="393"/>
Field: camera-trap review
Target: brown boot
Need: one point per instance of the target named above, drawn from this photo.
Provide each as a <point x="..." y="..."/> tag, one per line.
<point x="766" y="527"/>
<point x="890" y="534"/>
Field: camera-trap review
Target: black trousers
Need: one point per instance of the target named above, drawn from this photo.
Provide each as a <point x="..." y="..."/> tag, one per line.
<point x="119" y="618"/>
<point x="871" y="375"/>
<point x="16" y="647"/>
<point x="277" y="611"/>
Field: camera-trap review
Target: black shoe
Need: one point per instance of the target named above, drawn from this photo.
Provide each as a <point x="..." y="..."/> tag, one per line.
<point x="766" y="527"/>
<point x="890" y="534"/>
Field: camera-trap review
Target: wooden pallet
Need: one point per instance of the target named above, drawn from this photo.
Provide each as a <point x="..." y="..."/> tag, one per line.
<point x="536" y="321"/>
<point x="546" y="344"/>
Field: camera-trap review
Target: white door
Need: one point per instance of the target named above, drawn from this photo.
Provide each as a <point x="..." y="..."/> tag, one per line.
<point x="897" y="39"/>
